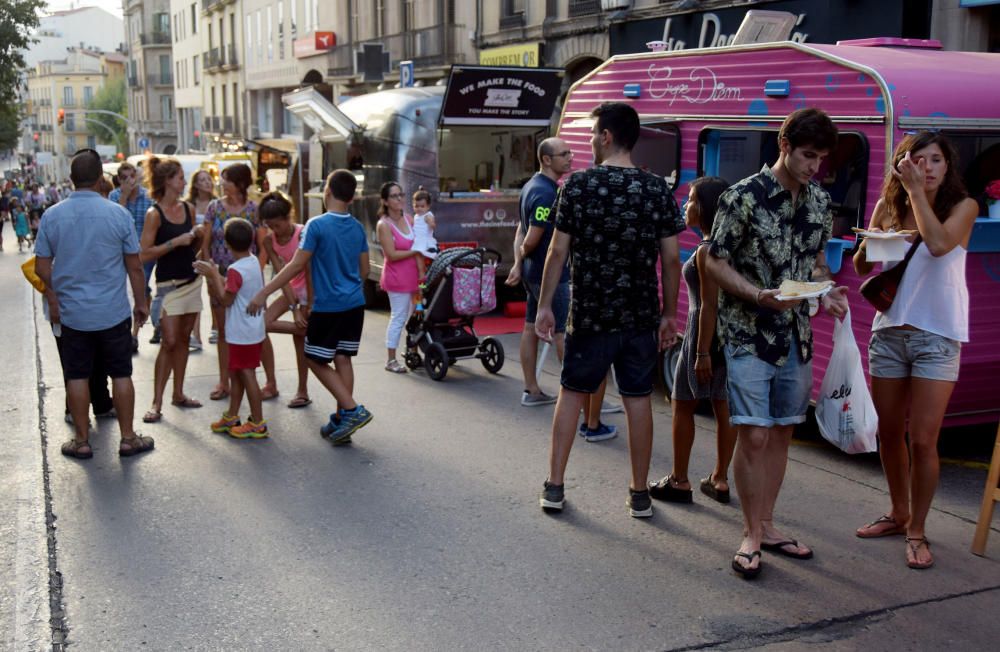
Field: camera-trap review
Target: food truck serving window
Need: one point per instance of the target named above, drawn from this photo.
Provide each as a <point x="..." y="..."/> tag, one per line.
<point x="658" y="150"/>
<point x="736" y="154"/>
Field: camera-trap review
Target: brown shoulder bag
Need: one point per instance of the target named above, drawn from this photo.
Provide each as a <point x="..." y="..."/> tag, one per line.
<point x="880" y="290"/>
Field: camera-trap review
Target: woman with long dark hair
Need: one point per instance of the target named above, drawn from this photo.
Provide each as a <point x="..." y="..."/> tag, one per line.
<point x="701" y="366"/>
<point x="400" y="276"/>
<point x="201" y="193"/>
<point x="170" y="238"/>
<point x="913" y="356"/>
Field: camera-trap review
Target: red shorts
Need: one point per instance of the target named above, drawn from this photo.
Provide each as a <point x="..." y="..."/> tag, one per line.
<point x="244" y="356"/>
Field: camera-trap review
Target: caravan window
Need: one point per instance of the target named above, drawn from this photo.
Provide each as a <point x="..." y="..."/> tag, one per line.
<point x="658" y="150"/>
<point x="471" y="159"/>
<point x="979" y="162"/>
<point x="735" y="154"/>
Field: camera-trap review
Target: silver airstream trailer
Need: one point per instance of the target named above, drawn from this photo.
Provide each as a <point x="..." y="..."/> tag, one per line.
<point x="471" y="145"/>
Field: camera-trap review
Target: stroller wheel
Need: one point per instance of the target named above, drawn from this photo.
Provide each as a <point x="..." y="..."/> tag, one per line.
<point x="436" y="361"/>
<point x="412" y="360"/>
<point x="491" y="355"/>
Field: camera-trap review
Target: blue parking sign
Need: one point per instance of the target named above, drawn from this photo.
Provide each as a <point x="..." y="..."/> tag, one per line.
<point x="405" y="74"/>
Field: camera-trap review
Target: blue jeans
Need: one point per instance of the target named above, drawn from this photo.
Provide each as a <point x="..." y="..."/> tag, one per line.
<point x="766" y="395"/>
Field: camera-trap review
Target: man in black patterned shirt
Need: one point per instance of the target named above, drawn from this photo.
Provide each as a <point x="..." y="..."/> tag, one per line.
<point x="771" y="227"/>
<point x="612" y="222"/>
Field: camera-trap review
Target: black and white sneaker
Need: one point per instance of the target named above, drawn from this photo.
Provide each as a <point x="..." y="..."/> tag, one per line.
<point x="639" y="504"/>
<point x="552" y="499"/>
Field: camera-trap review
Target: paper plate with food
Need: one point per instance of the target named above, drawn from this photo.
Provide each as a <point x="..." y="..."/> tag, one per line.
<point x="792" y="290"/>
<point x="883" y="235"/>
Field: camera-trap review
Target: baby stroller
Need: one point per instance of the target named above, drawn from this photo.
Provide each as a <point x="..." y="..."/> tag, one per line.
<point x="460" y="284"/>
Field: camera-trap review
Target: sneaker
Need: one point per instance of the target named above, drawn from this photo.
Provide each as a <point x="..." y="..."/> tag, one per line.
<point x="110" y="414"/>
<point x="250" y="430"/>
<point x="213" y="337"/>
<point x="639" y="504"/>
<point x="533" y="400"/>
<point x="226" y="423"/>
<point x="155" y="339"/>
<point x="610" y="408"/>
<point x="601" y="433"/>
<point x="330" y="426"/>
<point x="553" y="498"/>
<point x="350" y="422"/>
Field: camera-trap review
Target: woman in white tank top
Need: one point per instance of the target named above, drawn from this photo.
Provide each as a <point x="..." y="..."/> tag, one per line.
<point x="915" y="346"/>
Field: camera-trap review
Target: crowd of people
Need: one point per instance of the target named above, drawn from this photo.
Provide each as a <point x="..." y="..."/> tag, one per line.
<point x="600" y="262"/>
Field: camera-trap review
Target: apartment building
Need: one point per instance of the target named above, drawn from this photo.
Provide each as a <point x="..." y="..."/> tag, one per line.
<point x="187" y="51"/>
<point x="66" y="85"/>
<point x="150" y="75"/>
<point x="223" y="113"/>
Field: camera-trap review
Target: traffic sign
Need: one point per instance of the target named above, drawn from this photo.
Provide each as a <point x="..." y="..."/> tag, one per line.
<point x="405" y="74"/>
<point x="143" y="143"/>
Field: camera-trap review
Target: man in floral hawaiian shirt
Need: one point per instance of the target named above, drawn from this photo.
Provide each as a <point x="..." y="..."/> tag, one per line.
<point x="771" y="227"/>
<point x="613" y="221"/>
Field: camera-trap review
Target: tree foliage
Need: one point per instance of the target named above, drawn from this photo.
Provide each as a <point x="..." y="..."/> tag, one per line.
<point x="18" y="18"/>
<point x="110" y="97"/>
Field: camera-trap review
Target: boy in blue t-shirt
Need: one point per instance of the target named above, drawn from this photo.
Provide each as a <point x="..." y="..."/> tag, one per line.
<point x="336" y="245"/>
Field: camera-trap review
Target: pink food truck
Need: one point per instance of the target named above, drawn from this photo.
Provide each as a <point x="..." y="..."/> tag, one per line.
<point x="716" y="111"/>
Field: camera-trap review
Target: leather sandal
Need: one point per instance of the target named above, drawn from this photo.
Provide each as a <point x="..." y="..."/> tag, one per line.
<point x="665" y="490"/>
<point x="913" y="544"/>
<point x="74" y="448"/>
<point x="137" y="444"/>
<point x="708" y="488"/>
<point x="873" y="530"/>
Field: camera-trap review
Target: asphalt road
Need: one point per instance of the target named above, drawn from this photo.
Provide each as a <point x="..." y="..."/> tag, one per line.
<point x="425" y="533"/>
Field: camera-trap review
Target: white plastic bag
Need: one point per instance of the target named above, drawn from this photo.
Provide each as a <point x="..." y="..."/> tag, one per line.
<point x="844" y="410"/>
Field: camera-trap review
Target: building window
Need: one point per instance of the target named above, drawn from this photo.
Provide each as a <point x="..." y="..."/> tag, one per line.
<point x="583" y="7"/>
<point x="281" y="29"/>
<point x="67" y="96"/>
<point x="161" y="25"/>
<point x="70" y="122"/>
<point x="512" y="13"/>
<point x="236" y="107"/>
<point x="248" y="41"/>
<point x="225" y="100"/>
<point x="91" y="142"/>
<point x="292" y="27"/>
<point x="88" y="94"/>
<point x="71" y="143"/>
<point x="194" y="17"/>
<point x="355" y="21"/>
<point x="260" y="37"/>
<point x="270" y="35"/>
<point x="379" y="18"/>
<point x="196" y="69"/>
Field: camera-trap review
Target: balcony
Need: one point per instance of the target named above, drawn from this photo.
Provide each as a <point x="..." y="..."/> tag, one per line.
<point x="211" y="125"/>
<point x="583" y="7"/>
<point x="155" y="38"/>
<point x="160" y="80"/>
<point x="133" y="81"/>
<point x="44" y="102"/>
<point x="231" y="63"/>
<point x="227" y="125"/>
<point x="45" y="128"/>
<point x="211" y="60"/>
<point x="431" y="46"/>
<point x="68" y="104"/>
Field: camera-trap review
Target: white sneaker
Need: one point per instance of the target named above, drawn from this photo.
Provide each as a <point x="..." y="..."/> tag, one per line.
<point x="610" y="408"/>
<point x="534" y="400"/>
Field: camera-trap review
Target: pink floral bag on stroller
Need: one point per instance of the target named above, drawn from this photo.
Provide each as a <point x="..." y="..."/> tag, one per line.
<point x="474" y="289"/>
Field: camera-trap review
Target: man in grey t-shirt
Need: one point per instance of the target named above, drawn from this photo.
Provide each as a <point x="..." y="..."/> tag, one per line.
<point x="87" y="247"/>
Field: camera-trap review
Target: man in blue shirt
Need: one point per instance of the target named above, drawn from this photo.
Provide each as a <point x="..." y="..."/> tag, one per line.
<point x="131" y="196"/>
<point x="336" y="244"/>
<point x="86" y="249"/>
<point x="531" y="243"/>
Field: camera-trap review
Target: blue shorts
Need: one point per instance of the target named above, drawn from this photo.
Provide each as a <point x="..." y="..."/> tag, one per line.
<point x="765" y="395"/>
<point x="589" y="356"/>
<point x="560" y="304"/>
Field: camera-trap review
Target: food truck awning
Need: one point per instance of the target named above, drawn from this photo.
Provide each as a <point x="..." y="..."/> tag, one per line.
<point x="500" y="96"/>
<point x="319" y="113"/>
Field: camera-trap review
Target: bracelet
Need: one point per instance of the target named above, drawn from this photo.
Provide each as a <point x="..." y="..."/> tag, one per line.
<point x="702" y="355"/>
<point x="757" y="298"/>
<point x="170" y="243"/>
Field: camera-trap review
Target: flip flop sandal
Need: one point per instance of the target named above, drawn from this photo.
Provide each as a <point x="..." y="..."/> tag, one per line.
<point x="913" y="545"/>
<point x="187" y="402"/>
<point x="747" y="573"/>
<point x="665" y="490"/>
<point x="72" y="448"/>
<point x="136" y="445"/>
<point x="269" y="394"/>
<point x="896" y="527"/>
<point x="219" y="394"/>
<point x="152" y="417"/>
<point x="299" y="402"/>
<point x="708" y="488"/>
<point x="779" y="547"/>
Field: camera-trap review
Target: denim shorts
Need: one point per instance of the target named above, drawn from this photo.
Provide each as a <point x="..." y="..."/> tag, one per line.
<point x="900" y="353"/>
<point x="765" y="395"/>
<point x="560" y="304"/>
<point x="589" y="356"/>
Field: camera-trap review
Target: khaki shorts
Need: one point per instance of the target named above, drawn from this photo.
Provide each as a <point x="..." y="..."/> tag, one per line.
<point x="180" y="297"/>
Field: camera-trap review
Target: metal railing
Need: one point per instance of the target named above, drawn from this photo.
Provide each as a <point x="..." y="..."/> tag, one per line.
<point x="227" y="124"/>
<point x="44" y="102"/>
<point x="161" y="80"/>
<point x="133" y="81"/>
<point x="211" y="59"/>
<point x="431" y="46"/>
<point x="155" y="38"/>
<point x="583" y="7"/>
<point x="231" y="59"/>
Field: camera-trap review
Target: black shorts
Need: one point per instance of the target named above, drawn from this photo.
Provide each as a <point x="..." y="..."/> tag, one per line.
<point x="589" y="356"/>
<point x="334" y="333"/>
<point x="112" y="347"/>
